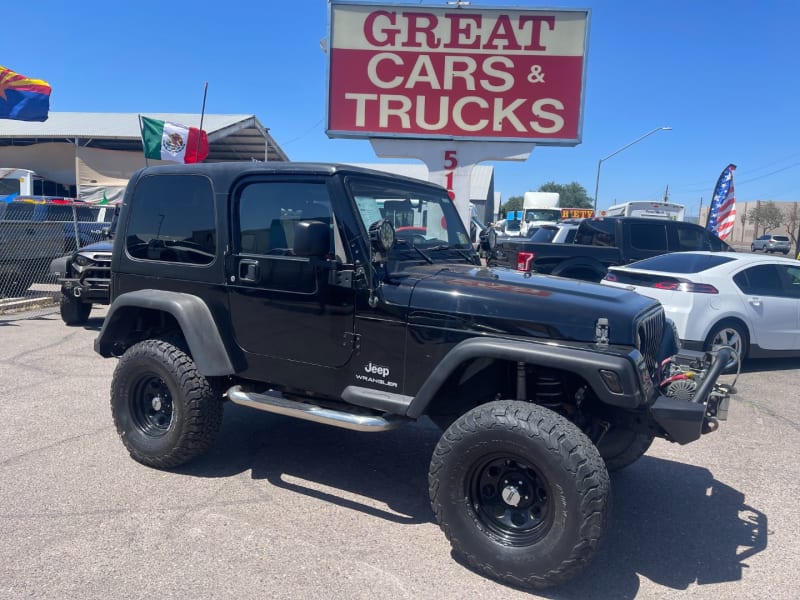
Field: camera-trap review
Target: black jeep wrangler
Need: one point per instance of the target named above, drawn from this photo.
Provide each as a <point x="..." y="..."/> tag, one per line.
<point x="355" y="299"/>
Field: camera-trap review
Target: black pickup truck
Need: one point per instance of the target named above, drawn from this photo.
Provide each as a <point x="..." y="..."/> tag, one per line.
<point x="600" y="243"/>
<point x="355" y="299"/>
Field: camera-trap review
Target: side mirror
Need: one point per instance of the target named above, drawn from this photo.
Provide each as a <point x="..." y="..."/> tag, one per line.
<point x="311" y="238"/>
<point x="381" y="236"/>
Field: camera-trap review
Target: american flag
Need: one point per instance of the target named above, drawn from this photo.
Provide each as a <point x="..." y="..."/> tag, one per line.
<point x="722" y="214"/>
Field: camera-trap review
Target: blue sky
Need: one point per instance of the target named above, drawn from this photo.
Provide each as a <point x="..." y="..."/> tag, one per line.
<point x="724" y="76"/>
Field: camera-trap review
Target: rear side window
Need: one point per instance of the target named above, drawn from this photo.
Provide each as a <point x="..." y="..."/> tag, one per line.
<point x="172" y="220"/>
<point x="600" y="232"/>
<point x="649" y="236"/>
<point x="19" y="212"/>
<point x="544" y="234"/>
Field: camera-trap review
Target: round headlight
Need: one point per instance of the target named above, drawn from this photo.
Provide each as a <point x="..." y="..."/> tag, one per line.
<point x="82" y="261"/>
<point x="381" y="235"/>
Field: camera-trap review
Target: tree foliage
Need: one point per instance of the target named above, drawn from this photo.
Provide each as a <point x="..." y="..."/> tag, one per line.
<point x="766" y="216"/>
<point x="571" y="195"/>
<point x="513" y="203"/>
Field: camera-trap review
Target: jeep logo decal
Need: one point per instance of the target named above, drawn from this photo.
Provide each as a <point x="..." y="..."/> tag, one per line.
<point x="377" y="369"/>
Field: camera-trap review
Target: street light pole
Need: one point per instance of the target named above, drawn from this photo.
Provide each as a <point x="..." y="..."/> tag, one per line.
<point x="625" y="147"/>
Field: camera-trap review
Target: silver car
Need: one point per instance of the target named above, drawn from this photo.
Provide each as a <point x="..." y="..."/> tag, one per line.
<point x="771" y="243"/>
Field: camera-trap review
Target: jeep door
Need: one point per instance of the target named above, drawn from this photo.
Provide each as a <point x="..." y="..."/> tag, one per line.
<point x="284" y="307"/>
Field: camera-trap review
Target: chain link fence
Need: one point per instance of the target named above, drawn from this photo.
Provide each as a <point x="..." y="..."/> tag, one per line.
<point x="33" y="234"/>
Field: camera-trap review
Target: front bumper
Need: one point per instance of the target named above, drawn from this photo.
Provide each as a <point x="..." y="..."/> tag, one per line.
<point x="684" y="421"/>
<point x="92" y="285"/>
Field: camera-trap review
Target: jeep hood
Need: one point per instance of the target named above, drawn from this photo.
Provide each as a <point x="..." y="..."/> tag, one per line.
<point x="499" y="301"/>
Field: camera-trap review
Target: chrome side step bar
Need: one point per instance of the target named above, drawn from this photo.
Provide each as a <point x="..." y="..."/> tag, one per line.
<point x="274" y="402"/>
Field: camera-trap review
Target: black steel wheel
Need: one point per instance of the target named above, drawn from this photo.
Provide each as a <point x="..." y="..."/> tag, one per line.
<point x="511" y="499"/>
<point x="165" y="411"/>
<point x="521" y="493"/>
<point x="73" y="311"/>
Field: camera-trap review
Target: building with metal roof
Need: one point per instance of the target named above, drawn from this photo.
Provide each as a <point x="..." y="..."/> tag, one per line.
<point x="98" y="152"/>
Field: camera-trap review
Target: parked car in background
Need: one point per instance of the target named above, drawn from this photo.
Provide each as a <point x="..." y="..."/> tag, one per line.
<point x="562" y="233"/>
<point x="602" y="242"/>
<point x="748" y="302"/>
<point x="771" y="243"/>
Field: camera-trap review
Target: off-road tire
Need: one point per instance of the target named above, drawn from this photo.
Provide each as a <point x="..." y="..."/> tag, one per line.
<point x="521" y="493"/>
<point x="165" y="411"/>
<point x="73" y="311"/>
<point x="620" y="448"/>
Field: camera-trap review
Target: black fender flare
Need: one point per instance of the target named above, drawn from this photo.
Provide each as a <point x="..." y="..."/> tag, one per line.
<point x="586" y="363"/>
<point x="582" y="263"/>
<point x="193" y="316"/>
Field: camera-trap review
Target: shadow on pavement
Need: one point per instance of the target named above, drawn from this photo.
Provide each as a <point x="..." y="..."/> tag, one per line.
<point x="672" y="523"/>
<point x="754" y="365"/>
<point x="336" y="465"/>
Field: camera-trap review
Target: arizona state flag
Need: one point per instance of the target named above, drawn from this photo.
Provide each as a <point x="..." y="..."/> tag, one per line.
<point x="23" y="98"/>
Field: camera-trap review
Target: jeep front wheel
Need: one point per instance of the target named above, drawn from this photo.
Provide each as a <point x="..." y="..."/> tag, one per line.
<point x="621" y="448"/>
<point x="165" y="411"/>
<point x="73" y="311"/>
<point x="521" y="493"/>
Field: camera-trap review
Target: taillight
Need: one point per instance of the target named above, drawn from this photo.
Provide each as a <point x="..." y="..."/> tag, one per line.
<point x="686" y="286"/>
<point x="610" y="277"/>
<point x="524" y="260"/>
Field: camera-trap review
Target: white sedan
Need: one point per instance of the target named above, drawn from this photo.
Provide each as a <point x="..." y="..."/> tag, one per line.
<point x="746" y="301"/>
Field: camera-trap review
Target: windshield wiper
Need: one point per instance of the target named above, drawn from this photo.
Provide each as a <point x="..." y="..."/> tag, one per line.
<point x="411" y="246"/>
<point x="462" y="252"/>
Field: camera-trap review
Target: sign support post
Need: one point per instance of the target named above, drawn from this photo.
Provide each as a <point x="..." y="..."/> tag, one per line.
<point x="450" y="162"/>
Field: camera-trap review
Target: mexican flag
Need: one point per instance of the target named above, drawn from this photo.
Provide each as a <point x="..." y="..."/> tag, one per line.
<point x="169" y="141"/>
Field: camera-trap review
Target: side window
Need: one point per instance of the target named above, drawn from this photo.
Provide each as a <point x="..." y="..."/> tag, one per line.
<point x="18" y="211"/>
<point x="690" y="238"/>
<point x="172" y="220"/>
<point x="790" y="276"/>
<point x="762" y="279"/>
<point x="269" y="211"/>
<point x="649" y="236"/>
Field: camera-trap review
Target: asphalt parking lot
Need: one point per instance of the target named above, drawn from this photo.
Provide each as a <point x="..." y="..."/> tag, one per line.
<point x="287" y="509"/>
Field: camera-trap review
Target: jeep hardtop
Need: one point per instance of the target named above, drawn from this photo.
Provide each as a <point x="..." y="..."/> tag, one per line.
<point x="354" y="298"/>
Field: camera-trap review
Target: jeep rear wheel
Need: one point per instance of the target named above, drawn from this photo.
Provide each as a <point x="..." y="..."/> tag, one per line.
<point x="165" y="411"/>
<point x="520" y="492"/>
<point x="73" y="311"/>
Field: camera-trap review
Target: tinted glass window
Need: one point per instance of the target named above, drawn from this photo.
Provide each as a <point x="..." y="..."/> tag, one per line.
<point x="780" y="238"/>
<point x="692" y="238"/>
<point x="600" y="232"/>
<point x="649" y="236"/>
<point x="761" y="279"/>
<point x="172" y="219"/>
<point x="543" y="234"/>
<point x="682" y="262"/>
<point x="791" y="280"/>
<point x="268" y="213"/>
<point x="19" y="212"/>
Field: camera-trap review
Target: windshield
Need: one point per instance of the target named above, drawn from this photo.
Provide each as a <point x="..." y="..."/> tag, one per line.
<point x="542" y="214"/>
<point x="425" y="222"/>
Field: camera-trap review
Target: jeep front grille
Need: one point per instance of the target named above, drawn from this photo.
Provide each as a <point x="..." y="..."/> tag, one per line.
<point x="649" y="331"/>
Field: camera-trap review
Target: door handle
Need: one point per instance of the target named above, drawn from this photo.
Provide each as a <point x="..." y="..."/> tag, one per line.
<point x="754" y="300"/>
<point x="249" y="270"/>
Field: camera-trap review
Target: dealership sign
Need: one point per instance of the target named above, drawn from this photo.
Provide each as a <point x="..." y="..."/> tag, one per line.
<point x="456" y="73"/>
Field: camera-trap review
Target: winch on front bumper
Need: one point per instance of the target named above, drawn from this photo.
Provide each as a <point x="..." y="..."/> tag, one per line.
<point x="691" y="401"/>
